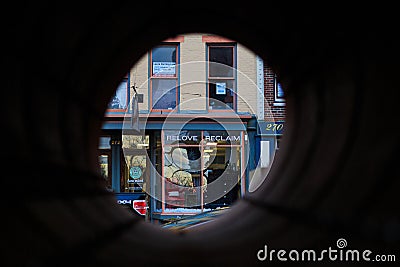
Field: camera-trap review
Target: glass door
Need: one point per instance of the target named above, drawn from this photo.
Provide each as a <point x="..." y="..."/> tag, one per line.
<point x="135" y="173"/>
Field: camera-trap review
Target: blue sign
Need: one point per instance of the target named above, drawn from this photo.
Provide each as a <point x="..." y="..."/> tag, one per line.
<point x="270" y="128"/>
<point x="135" y="172"/>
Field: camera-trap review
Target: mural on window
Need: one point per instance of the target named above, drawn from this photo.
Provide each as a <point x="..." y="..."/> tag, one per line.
<point x="221" y="94"/>
<point x="192" y="160"/>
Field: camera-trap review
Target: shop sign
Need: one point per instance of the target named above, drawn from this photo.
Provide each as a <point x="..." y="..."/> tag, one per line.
<point x="182" y="138"/>
<point x="164" y="68"/>
<point x="207" y="138"/>
<point x="222" y="138"/>
<point x="270" y="128"/>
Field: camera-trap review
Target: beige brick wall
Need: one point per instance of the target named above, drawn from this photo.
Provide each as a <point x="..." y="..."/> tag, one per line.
<point x="193" y="77"/>
<point x="193" y="73"/>
<point x="139" y="75"/>
<point x="246" y="80"/>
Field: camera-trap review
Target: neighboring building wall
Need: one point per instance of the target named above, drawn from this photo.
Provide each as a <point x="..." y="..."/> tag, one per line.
<point x="273" y="112"/>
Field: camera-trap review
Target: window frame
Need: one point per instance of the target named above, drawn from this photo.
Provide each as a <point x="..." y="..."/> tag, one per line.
<point x="233" y="78"/>
<point x="153" y="77"/>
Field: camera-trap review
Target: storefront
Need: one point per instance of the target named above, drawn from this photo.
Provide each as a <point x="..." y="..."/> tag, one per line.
<point x="183" y="166"/>
<point x="191" y="161"/>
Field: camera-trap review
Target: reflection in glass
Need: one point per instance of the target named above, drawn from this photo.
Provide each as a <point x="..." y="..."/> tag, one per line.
<point x="226" y="167"/>
<point x="120" y="98"/>
<point x="164" y="93"/>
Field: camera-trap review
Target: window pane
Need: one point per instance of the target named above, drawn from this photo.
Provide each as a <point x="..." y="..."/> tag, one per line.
<point x="225" y="165"/>
<point x="279" y="91"/>
<point x="182" y="169"/>
<point x="120" y="99"/>
<point x="164" y="93"/>
<point x="190" y="162"/>
<point x="136" y="170"/>
<point x="221" y="61"/>
<point x="164" y="60"/>
<point x="221" y="94"/>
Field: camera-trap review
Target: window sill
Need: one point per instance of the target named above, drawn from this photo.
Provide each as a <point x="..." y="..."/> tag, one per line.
<point x="279" y="104"/>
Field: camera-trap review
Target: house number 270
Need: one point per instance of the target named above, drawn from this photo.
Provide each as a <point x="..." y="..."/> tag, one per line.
<point x="274" y="127"/>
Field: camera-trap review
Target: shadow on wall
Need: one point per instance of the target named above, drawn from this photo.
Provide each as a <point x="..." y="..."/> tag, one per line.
<point x="335" y="177"/>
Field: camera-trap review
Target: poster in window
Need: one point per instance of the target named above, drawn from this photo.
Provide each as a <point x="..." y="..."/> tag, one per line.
<point x="164" y="68"/>
<point x="220" y="88"/>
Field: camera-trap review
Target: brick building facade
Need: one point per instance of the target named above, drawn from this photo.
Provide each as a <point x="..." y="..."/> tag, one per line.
<point x="277" y="109"/>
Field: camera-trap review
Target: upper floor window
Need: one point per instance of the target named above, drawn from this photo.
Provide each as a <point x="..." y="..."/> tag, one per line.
<point x="279" y="94"/>
<point x="221" y="76"/>
<point x="119" y="102"/>
<point x="164" y="77"/>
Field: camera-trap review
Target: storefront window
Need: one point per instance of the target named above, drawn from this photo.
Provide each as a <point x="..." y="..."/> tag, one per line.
<point x="135" y="169"/>
<point x="120" y="98"/>
<point x="226" y="167"/>
<point x="221" y="94"/>
<point x="191" y="161"/>
<point x="164" y="94"/>
<point x="105" y="168"/>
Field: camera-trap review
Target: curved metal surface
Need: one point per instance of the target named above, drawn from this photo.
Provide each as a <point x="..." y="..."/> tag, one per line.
<point x="336" y="175"/>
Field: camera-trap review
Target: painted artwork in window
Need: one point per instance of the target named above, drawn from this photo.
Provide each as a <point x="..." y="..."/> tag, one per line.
<point x="194" y="159"/>
<point x="164" y="94"/>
